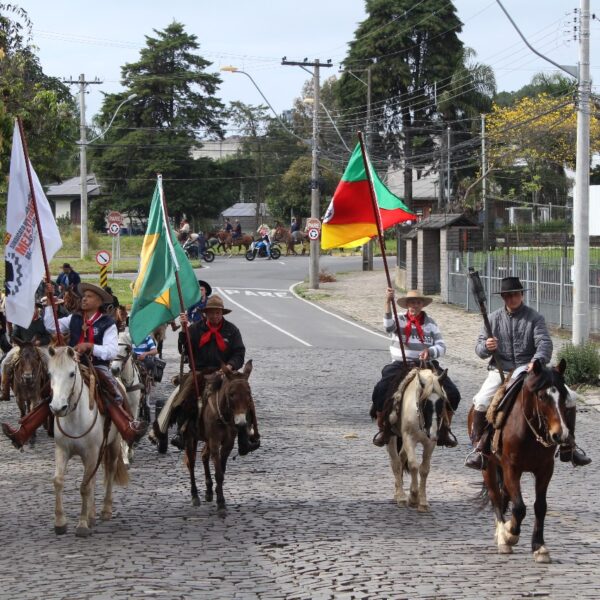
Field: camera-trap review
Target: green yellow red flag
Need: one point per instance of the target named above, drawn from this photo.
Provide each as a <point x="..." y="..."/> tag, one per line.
<point x="350" y="220"/>
<point x="155" y="296"/>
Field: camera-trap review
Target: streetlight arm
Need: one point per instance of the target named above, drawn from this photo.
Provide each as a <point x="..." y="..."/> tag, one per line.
<point x="335" y="127"/>
<point x="130" y="97"/>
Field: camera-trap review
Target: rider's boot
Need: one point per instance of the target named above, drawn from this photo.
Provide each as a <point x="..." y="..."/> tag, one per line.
<point x="476" y="460"/>
<point x="380" y="439"/>
<point x="177" y="440"/>
<point x="131" y="430"/>
<point x="569" y="451"/>
<point x="29" y="423"/>
<point x="445" y="437"/>
<point x="254" y="436"/>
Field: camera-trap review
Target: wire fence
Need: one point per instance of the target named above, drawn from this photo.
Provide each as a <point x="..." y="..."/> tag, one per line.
<point x="548" y="281"/>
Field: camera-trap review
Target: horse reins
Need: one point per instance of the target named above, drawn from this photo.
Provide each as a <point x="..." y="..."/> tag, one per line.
<point x="536" y="434"/>
<point x="76" y="437"/>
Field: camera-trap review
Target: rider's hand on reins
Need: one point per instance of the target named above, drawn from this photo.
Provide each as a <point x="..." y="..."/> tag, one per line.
<point x="84" y="347"/>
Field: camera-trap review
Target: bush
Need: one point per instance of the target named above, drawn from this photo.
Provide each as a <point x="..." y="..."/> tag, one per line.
<point x="583" y="363"/>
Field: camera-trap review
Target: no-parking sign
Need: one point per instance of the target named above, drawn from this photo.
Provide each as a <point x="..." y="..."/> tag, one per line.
<point x="103" y="257"/>
<point x="313" y="233"/>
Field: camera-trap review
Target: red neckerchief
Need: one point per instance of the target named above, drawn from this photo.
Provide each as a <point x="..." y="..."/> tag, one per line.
<point x="417" y="322"/>
<point x="88" y="328"/>
<point x="216" y="331"/>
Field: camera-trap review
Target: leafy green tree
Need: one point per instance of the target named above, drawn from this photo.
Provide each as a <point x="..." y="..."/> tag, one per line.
<point x="413" y="49"/>
<point x="174" y="108"/>
<point x="44" y="104"/>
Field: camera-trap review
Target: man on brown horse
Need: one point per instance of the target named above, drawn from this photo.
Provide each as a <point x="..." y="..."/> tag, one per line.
<point x="520" y="336"/>
<point x="94" y="333"/>
<point x="217" y="343"/>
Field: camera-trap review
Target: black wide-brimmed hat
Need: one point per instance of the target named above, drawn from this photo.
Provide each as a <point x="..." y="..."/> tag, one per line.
<point x="510" y="284"/>
<point x="206" y="286"/>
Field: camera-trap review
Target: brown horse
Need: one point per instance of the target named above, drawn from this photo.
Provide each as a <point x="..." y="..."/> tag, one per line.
<point x="226" y="414"/>
<point x="531" y="433"/>
<point x="30" y="377"/>
<point x="284" y="236"/>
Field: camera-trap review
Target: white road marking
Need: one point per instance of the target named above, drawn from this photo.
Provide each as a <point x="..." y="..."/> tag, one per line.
<point x="381" y="335"/>
<point x="222" y="291"/>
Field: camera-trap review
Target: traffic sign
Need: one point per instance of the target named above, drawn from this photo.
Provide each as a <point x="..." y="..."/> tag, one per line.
<point x="313" y="224"/>
<point x="103" y="257"/>
<point x="114" y="216"/>
<point x="313" y="233"/>
<point x="114" y="228"/>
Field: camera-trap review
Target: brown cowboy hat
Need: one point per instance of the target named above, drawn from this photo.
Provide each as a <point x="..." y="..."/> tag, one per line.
<point x="215" y="301"/>
<point x="414" y="295"/>
<point x="104" y="295"/>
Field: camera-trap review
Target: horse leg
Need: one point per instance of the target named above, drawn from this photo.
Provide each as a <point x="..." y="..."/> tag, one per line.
<point x="428" y="447"/>
<point x="190" y="452"/>
<point x="397" y="470"/>
<point x="61" y="459"/>
<point x="499" y="501"/>
<point x="85" y="489"/>
<point x="542" y="481"/>
<point x="208" y="495"/>
<point x="510" y="531"/>
<point x="215" y="454"/>
<point x="112" y="452"/>
<point x="411" y="457"/>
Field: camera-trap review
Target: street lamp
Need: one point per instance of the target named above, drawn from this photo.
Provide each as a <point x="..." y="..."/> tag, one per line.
<point x="83" y="143"/>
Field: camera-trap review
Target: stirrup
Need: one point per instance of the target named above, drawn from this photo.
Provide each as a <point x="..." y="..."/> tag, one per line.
<point x="379" y="439"/>
<point x="482" y="460"/>
<point x="575" y="455"/>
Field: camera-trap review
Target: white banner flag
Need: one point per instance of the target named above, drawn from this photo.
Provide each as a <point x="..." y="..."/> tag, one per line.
<point x="23" y="251"/>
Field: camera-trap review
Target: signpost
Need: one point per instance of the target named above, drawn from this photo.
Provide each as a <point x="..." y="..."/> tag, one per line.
<point x="115" y="222"/>
<point x="103" y="259"/>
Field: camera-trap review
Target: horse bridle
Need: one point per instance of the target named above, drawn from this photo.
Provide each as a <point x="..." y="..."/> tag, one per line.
<point x="542" y="422"/>
<point x="36" y="371"/>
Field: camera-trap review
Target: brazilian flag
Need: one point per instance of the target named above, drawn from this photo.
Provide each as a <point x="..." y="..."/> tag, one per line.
<point x="155" y="297"/>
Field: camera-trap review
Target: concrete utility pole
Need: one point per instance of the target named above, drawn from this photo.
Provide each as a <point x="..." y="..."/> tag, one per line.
<point x="315" y="195"/>
<point x="486" y="213"/>
<point x="581" y="221"/>
<point x="83" y="159"/>
<point x="448" y="168"/>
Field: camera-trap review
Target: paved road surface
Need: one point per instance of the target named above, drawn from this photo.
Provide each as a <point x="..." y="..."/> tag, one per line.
<point x="310" y="515"/>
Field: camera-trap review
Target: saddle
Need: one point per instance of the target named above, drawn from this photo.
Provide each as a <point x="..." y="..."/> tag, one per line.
<point x="101" y="389"/>
<point x="500" y="407"/>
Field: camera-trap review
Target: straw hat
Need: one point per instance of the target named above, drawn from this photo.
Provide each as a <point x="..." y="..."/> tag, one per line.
<point x="414" y="295"/>
<point x="104" y="295"/>
<point x="215" y="301"/>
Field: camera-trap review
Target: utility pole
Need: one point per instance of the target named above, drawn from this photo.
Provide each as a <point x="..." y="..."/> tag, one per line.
<point x="581" y="221"/>
<point x="83" y="159"/>
<point x="315" y="195"/>
<point x="486" y="215"/>
<point x="448" y="169"/>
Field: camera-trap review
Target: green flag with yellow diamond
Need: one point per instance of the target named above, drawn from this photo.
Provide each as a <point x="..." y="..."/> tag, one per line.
<point x="155" y="297"/>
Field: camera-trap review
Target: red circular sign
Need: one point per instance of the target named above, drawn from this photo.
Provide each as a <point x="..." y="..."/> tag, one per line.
<point x="115" y="216"/>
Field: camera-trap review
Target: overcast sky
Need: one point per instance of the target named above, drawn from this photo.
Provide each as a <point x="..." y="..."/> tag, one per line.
<point x="97" y="38"/>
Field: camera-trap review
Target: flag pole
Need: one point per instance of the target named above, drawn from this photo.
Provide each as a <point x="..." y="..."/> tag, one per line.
<point x="39" y="228"/>
<point x="380" y="236"/>
<point x="186" y="330"/>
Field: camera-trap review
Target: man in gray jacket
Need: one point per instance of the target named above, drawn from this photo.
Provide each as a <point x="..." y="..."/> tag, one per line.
<point x="520" y="336"/>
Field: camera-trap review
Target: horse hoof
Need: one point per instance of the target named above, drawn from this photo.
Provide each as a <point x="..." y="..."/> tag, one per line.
<point x="208" y="496"/>
<point x="195" y="501"/>
<point x="423" y="508"/>
<point x="504" y="549"/>
<point x="105" y="516"/>
<point x="542" y="556"/>
<point x="412" y="503"/>
<point x="83" y="532"/>
<point x="402" y="502"/>
<point x="221" y="506"/>
<point x="92" y="522"/>
<point x="60" y="529"/>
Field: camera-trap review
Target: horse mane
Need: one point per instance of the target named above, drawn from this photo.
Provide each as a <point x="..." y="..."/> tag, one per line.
<point x="398" y="394"/>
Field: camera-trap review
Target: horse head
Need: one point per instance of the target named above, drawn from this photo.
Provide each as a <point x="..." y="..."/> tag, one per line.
<point x="63" y="369"/>
<point x="546" y="386"/>
<point x="234" y="396"/>
<point x="30" y="363"/>
<point x="124" y="354"/>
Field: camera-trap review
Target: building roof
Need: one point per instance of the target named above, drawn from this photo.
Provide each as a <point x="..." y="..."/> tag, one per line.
<point x="245" y="209"/>
<point x="441" y="221"/>
<point x="72" y="187"/>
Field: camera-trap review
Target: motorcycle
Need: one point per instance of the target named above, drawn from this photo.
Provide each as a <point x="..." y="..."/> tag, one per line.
<point x="260" y="249"/>
<point x="192" y="251"/>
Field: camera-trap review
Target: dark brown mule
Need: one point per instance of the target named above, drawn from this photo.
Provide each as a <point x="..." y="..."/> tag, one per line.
<point x="227" y="413"/>
<point x="284" y="236"/>
<point x="533" y="429"/>
<point x="30" y="378"/>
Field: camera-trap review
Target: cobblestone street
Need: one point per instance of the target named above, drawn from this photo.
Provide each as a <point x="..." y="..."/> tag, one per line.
<point x="311" y="514"/>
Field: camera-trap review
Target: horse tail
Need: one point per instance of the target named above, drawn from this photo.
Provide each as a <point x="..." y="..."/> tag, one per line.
<point x="113" y="463"/>
<point x="482" y="499"/>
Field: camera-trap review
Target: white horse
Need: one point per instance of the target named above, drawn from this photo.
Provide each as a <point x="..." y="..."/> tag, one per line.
<point x="80" y="431"/>
<point x="123" y="368"/>
<point x="419" y="397"/>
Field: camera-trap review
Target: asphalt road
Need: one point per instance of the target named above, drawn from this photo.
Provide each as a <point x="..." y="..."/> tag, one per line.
<point x="310" y="515"/>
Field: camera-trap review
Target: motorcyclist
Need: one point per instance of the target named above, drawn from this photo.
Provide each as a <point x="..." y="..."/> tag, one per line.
<point x="267" y="242"/>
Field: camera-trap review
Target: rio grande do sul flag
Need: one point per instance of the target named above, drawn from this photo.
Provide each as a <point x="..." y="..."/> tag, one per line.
<point x="349" y="220"/>
<point x="155" y="297"/>
<point x="23" y="251"/>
